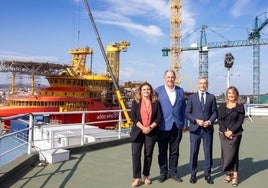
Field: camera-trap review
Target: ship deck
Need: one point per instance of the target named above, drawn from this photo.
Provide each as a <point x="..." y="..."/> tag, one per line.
<point x="110" y="167"/>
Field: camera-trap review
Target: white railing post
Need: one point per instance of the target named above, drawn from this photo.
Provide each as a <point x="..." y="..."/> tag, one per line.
<point x="83" y="128"/>
<point x="31" y="121"/>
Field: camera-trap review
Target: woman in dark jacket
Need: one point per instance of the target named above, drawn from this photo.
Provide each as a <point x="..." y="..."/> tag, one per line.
<point x="146" y="116"/>
<point x="230" y="118"/>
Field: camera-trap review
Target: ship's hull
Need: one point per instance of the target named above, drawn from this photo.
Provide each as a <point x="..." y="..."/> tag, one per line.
<point x="96" y="118"/>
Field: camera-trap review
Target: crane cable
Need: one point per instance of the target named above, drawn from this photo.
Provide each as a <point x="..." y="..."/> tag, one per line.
<point x="118" y="94"/>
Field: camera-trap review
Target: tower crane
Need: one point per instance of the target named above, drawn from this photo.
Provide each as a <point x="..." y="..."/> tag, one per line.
<point x="253" y="40"/>
<point x="175" y="38"/>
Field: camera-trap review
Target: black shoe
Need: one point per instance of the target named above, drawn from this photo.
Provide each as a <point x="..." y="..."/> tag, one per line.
<point x="208" y="179"/>
<point x="162" y="178"/>
<point x="174" y="177"/>
<point x="193" y="179"/>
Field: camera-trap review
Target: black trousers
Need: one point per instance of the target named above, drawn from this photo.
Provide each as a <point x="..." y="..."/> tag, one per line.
<point x="169" y="140"/>
<point x="148" y="142"/>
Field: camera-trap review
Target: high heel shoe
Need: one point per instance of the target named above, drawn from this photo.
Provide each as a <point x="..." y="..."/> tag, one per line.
<point x="235" y="182"/>
<point x="228" y="177"/>
<point x="147" y="181"/>
<point x="136" y="183"/>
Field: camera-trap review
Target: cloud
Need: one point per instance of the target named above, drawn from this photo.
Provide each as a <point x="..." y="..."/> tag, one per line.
<point x="239" y="7"/>
<point x="150" y="30"/>
<point x="6" y="55"/>
<point x="142" y="18"/>
<point x="140" y="7"/>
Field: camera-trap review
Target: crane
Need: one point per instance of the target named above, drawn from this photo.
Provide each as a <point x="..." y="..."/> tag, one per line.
<point x="253" y="40"/>
<point x="113" y="51"/>
<point x="175" y="38"/>
<point x="115" y="83"/>
<point x="255" y="36"/>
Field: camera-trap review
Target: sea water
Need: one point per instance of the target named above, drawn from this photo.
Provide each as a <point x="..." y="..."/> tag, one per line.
<point x="6" y="144"/>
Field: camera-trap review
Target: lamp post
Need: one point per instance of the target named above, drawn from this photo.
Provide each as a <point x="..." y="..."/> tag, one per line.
<point x="228" y="63"/>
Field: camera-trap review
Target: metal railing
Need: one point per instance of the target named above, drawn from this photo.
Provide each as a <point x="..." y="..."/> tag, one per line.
<point x="12" y="135"/>
<point x="33" y="147"/>
<point x="256" y="109"/>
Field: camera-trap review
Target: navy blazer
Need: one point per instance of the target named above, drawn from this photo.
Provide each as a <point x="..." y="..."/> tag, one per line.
<point x="171" y="113"/>
<point x="193" y="111"/>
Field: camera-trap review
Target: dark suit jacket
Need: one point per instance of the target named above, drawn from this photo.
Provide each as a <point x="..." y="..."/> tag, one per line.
<point x="156" y="117"/>
<point x="193" y="111"/>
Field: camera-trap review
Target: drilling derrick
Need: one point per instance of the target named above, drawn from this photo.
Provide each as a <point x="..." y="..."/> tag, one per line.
<point x="175" y="37"/>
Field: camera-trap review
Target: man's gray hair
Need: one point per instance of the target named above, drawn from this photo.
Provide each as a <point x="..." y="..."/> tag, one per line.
<point x="170" y="71"/>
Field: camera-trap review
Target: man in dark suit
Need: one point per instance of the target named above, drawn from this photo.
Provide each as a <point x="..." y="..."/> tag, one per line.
<point x="201" y="111"/>
<point x="172" y="102"/>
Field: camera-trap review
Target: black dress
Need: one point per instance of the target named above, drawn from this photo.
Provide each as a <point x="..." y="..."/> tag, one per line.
<point x="231" y="119"/>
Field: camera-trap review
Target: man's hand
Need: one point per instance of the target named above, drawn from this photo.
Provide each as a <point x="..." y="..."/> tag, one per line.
<point x="199" y="122"/>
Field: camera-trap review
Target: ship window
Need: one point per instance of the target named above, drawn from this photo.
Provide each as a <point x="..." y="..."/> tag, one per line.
<point x="69" y="82"/>
<point x="65" y="93"/>
<point x="52" y="93"/>
<point x="73" y="93"/>
<point x="74" y="82"/>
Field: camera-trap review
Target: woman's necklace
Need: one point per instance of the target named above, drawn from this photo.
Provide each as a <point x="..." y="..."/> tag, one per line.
<point x="231" y="104"/>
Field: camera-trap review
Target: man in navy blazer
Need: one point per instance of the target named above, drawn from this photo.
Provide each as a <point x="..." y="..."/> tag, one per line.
<point x="201" y="111"/>
<point x="173" y="105"/>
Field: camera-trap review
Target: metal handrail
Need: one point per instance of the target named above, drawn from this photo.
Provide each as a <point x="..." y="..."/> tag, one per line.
<point x="31" y="142"/>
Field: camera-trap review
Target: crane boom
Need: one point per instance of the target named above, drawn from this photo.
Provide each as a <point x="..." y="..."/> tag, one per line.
<point x="117" y="91"/>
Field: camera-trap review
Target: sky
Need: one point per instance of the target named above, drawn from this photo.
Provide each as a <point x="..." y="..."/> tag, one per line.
<point x="45" y="30"/>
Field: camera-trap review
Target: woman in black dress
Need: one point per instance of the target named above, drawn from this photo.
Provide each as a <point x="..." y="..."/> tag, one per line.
<point x="230" y="118"/>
